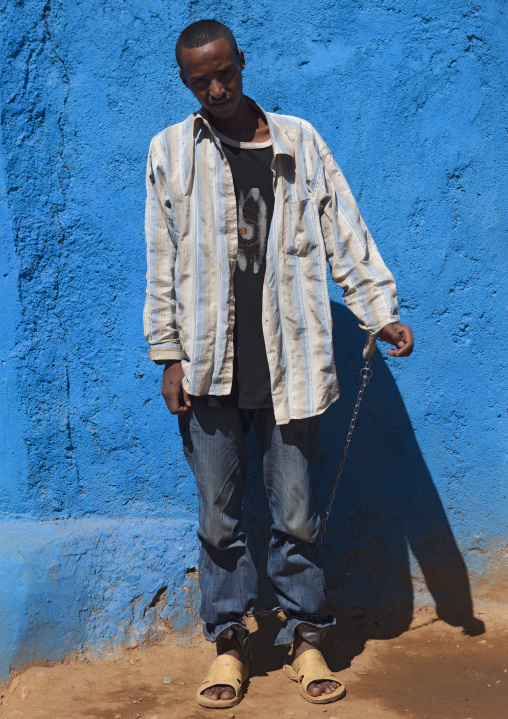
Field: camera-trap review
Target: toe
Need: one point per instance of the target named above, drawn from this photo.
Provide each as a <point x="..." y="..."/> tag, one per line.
<point x="219" y="691"/>
<point x="314" y="689"/>
<point x="328" y="687"/>
<point x="227" y="693"/>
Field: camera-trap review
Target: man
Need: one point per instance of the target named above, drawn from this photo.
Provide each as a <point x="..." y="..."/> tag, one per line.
<point x="244" y="209"/>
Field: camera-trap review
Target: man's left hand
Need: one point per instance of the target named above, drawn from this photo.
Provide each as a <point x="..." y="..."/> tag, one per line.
<point x="399" y="335"/>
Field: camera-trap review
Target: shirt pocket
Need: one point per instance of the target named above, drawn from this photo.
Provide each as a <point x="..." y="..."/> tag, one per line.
<point x="302" y="228"/>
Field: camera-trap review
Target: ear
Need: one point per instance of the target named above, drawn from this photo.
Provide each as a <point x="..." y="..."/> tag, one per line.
<point x="241" y="59"/>
<point x="183" y="78"/>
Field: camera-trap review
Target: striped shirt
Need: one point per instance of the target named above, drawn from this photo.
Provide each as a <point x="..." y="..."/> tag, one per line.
<point x="192" y="238"/>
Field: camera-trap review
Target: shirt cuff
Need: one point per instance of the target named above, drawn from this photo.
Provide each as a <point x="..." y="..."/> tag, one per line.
<point x="165" y="351"/>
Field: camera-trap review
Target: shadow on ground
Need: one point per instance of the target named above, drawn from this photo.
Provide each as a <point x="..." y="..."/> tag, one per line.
<point x="386" y="505"/>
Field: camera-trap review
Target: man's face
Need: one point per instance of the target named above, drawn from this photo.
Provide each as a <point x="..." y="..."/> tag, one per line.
<point x="214" y="76"/>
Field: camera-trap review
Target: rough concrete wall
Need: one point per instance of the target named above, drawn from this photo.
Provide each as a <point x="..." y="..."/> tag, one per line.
<point x="407" y="95"/>
<point x="93" y="586"/>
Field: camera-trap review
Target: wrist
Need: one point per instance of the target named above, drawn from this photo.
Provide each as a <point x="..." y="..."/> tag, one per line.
<point x="170" y="363"/>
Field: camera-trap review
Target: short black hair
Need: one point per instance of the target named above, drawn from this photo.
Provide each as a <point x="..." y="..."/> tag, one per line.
<point x="201" y="33"/>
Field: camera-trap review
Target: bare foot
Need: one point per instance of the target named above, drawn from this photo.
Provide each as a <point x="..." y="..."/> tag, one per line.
<point x="224" y="691"/>
<point x="315" y="689"/>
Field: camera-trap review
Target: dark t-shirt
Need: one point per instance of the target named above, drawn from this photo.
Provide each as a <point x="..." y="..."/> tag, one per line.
<point x="253" y="180"/>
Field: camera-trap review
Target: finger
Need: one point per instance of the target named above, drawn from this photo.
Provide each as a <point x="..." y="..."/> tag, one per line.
<point x="181" y="407"/>
<point x="404" y="351"/>
<point x="407" y="334"/>
<point x="174" y="402"/>
<point x="403" y="341"/>
<point x="392" y="336"/>
<point x="400" y="352"/>
<point x="186" y="399"/>
<point x="398" y="339"/>
<point x="167" y="400"/>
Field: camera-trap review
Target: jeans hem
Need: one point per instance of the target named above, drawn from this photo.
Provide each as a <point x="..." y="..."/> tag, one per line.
<point x="311" y="628"/>
<point x="213" y="632"/>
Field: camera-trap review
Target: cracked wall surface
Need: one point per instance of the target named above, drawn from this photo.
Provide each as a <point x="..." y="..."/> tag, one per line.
<point x="408" y="97"/>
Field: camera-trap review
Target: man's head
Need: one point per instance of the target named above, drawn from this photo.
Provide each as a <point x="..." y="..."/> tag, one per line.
<point x="201" y="33"/>
<point x="211" y="66"/>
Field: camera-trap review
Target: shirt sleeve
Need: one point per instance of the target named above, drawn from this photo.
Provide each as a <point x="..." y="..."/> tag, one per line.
<point x="355" y="262"/>
<point x="159" y="315"/>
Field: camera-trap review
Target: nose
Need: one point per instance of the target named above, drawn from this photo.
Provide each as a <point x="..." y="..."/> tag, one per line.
<point x="216" y="90"/>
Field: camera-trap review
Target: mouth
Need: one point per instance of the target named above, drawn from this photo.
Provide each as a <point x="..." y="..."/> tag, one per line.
<point x="223" y="103"/>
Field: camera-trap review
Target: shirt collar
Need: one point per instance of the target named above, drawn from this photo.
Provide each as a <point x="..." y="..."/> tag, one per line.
<point x="281" y="142"/>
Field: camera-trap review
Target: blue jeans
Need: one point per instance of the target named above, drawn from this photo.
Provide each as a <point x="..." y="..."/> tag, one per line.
<point x="214" y="445"/>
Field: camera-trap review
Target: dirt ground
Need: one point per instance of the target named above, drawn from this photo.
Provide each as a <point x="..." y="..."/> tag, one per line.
<point x="432" y="670"/>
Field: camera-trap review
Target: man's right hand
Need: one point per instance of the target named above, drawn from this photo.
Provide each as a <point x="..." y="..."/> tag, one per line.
<point x="177" y="399"/>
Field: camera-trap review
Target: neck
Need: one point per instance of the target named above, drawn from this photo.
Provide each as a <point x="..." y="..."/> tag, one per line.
<point x="244" y="119"/>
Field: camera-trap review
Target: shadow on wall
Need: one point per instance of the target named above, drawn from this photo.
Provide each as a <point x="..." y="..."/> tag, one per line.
<point x="386" y="504"/>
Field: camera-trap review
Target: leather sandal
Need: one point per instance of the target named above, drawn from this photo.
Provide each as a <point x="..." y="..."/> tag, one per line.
<point x="224" y="669"/>
<point x="311" y="667"/>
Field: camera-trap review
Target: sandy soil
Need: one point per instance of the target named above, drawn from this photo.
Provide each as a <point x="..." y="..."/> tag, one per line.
<point x="433" y="670"/>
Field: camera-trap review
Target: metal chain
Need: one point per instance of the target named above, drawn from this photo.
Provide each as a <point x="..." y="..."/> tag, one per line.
<point x="366" y="373"/>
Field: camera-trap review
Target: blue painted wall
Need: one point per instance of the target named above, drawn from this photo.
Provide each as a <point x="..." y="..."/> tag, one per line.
<point x="409" y="97"/>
